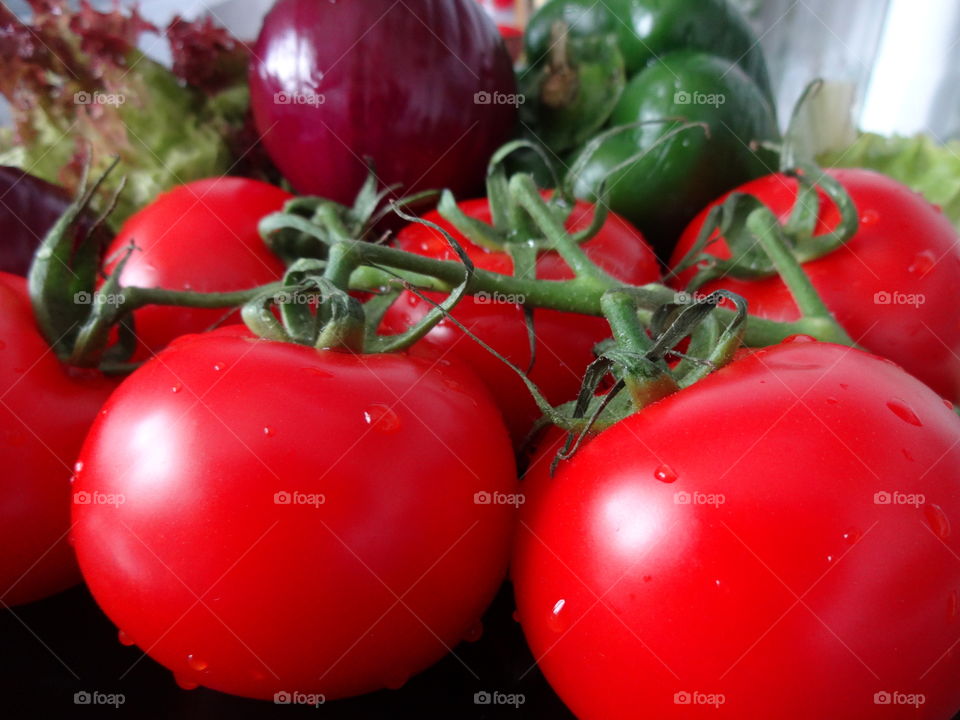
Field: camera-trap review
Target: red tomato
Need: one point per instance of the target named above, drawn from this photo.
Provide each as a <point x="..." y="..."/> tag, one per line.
<point x="45" y="411"/>
<point x="564" y="341"/>
<point x="201" y="236"/>
<point x="891" y="287"/>
<point x="772" y="542"/>
<point x="271" y="518"/>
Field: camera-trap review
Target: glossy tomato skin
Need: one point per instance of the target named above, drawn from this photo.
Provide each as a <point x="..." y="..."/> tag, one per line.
<point x="777" y="536"/>
<point x="420" y="89"/>
<point x="323" y="505"/>
<point x="201" y="236"/>
<point x="564" y="341"/>
<point x="891" y="287"/>
<point x="45" y="411"/>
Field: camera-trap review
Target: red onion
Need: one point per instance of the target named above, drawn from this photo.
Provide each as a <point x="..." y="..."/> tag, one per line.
<point x="423" y="88"/>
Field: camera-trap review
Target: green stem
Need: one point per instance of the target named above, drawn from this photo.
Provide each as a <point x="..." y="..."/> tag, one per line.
<point x="527" y="195"/>
<point x="768" y="231"/>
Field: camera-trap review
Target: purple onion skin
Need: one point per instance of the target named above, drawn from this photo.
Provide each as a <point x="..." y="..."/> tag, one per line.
<point x="29" y="207"/>
<point x="398" y="84"/>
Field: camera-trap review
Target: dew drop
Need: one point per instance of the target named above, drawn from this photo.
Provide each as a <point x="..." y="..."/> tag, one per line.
<point x="318" y="373"/>
<point x="829" y="558"/>
<point x="937" y="520"/>
<point x="832" y="400"/>
<point x="412" y="300"/>
<point x="869" y="217"/>
<point x="184" y="683"/>
<point x="717" y="583"/>
<point x="947" y="404"/>
<point x="218" y="367"/>
<point x="73" y="479"/>
<point x="852" y="535"/>
<point x="923" y="263"/>
<point x="196" y="663"/>
<point x="78" y="466"/>
<point x="844" y="386"/>
<point x="798" y="338"/>
<point x="269" y="431"/>
<point x="395" y="683"/>
<point x="382" y="418"/>
<point x="176" y="388"/>
<point x="474" y="632"/>
<point x="666" y="474"/>
<point x="124" y="638"/>
<point x="557" y="620"/>
<point x="903" y="411"/>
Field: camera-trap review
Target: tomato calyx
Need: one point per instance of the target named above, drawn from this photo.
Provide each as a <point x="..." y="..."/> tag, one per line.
<point x="737" y="221"/>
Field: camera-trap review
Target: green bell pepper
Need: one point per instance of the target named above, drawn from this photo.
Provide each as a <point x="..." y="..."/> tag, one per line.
<point x="695" y="60"/>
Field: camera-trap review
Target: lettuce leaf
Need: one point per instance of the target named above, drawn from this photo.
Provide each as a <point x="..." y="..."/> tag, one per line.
<point x="918" y="162"/>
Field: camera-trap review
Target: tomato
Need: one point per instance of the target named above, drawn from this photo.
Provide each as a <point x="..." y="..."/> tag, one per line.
<point x="45" y="411"/>
<point x="201" y="236"/>
<point x="265" y="517"/>
<point x="564" y="341"/>
<point x="772" y="542"/>
<point x="891" y="286"/>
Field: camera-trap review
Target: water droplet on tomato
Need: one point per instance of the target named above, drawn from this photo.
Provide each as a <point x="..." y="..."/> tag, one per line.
<point x="869" y="217"/>
<point x="395" y="683"/>
<point x="269" y="431"/>
<point x="474" y="632"/>
<point x="318" y="373"/>
<point x="717" y="583"/>
<point x="832" y="400"/>
<point x="903" y="411"/>
<point x="844" y="386"/>
<point x="829" y="558"/>
<point x="852" y="535"/>
<point x="557" y="620"/>
<point x="953" y="605"/>
<point x="196" y="663"/>
<point x="218" y="367"/>
<point x="412" y="300"/>
<point x="906" y="454"/>
<point x="923" y="263"/>
<point x="938" y="520"/>
<point x="798" y="338"/>
<point x="947" y="404"/>
<point x="666" y="474"/>
<point x="184" y="683"/>
<point x="78" y="466"/>
<point x="176" y="388"/>
<point x="382" y="418"/>
<point x="124" y="638"/>
<point x="73" y="479"/>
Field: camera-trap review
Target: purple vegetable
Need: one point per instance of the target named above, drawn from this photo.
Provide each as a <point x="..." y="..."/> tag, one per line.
<point x="29" y="207"/>
<point x="423" y="88"/>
